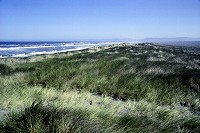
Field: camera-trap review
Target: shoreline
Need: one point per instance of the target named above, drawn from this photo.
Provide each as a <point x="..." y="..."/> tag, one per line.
<point x="27" y="50"/>
<point x="55" y="52"/>
<point x="60" y="53"/>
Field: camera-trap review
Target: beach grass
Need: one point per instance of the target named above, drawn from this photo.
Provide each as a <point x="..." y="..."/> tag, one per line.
<point x="120" y="88"/>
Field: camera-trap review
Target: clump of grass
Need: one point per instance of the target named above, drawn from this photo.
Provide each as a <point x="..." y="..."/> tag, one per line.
<point x="39" y="118"/>
<point x="4" y="69"/>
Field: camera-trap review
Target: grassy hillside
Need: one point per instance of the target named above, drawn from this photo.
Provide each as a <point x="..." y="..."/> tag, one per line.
<point x="121" y="88"/>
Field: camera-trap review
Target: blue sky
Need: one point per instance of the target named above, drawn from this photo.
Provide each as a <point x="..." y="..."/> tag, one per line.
<point x="66" y="20"/>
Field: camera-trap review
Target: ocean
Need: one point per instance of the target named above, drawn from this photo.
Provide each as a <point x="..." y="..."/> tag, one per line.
<point x="26" y="49"/>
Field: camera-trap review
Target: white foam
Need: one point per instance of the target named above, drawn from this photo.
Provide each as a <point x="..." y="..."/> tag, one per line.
<point x="78" y="44"/>
<point x="44" y="52"/>
<point x="2" y="57"/>
<point x="25" y="47"/>
<point x="20" y="55"/>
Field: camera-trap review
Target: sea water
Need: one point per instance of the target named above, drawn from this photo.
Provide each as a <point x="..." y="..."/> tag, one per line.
<point x="25" y="49"/>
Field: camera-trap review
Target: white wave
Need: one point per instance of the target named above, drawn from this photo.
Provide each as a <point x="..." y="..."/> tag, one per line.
<point x="25" y="47"/>
<point x="2" y="57"/>
<point x="84" y="44"/>
<point x="78" y="44"/>
<point x="66" y="45"/>
<point x="20" y="55"/>
<point x="45" y="52"/>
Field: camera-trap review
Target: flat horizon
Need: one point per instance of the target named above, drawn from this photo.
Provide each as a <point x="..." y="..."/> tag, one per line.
<point x="113" y="40"/>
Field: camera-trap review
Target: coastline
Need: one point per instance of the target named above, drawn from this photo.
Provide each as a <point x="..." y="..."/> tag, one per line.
<point x="118" y="88"/>
<point x="64" y="53"/>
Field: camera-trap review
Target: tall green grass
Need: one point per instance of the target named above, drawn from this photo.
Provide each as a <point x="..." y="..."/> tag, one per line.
<point x="54" y="111"/>
<point x="132" y="88"/>
<point x="111" y="74"/>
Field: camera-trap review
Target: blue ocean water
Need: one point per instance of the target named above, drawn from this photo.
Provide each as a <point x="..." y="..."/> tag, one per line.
<point x="25" y="49"/>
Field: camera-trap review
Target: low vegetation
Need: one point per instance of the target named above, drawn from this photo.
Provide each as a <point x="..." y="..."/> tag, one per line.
<point x="120" y="88"/>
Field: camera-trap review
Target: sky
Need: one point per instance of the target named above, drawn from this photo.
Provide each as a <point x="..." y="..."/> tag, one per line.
<point x="71" y="20"/>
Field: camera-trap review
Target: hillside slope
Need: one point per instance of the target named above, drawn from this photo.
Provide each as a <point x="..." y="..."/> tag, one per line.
<point x="120" y="88"/>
